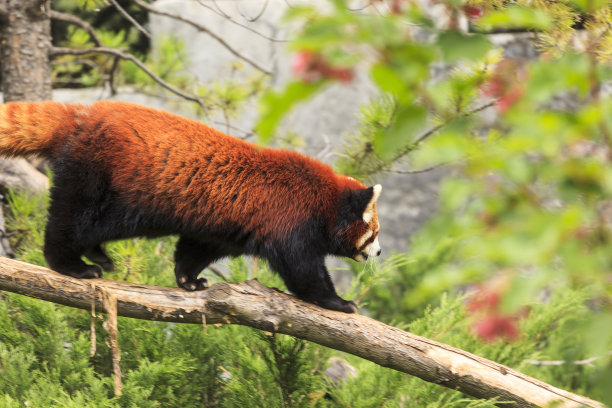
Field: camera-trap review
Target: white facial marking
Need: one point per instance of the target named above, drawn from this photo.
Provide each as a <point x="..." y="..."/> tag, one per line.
<point x="368" y="214"/>
<point x="373" y="249"/>
<point x="377" y="190"/>
<point x="363" y="239"/>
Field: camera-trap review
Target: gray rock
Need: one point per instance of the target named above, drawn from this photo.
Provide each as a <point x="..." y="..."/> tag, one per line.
<point x="18" y="174"/>
<point x="339" y="370"/>
<point x="5" y="247"/>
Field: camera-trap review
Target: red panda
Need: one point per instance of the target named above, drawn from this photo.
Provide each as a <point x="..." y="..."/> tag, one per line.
<point x="123" y="170"/>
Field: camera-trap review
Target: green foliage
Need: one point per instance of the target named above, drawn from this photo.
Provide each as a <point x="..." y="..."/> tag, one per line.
<point x="529" y="203"/>
<point x="359" y="159"/>
<point x="530" y="196"/>
<point x="276" y="105"/>
<point x="45" y="348"/>
<point x="516" y="16"/>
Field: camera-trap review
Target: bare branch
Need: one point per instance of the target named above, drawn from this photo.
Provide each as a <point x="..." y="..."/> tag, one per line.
<point x="586" y="361"/>
<point x="131" y="19"/>
<point x="231" y="20"/>
<point x="245" y="133"/>
<point x="111" y="76"/>
<point x="218" y="272"/>
<point x="56" y="51"/>
<point x="203" y="29"/>
<point x="71" y="19"/>
<point x="252" y="304"/>
<point x="420" y="171"/>
<point x="257" y="16"/>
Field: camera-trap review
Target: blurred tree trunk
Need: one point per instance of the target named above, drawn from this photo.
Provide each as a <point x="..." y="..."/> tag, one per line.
<point x="25" y="41"/>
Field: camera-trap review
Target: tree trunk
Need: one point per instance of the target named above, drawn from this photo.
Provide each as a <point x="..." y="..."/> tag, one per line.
<point x="252" y="304"/>
<point x="25" y="41"/>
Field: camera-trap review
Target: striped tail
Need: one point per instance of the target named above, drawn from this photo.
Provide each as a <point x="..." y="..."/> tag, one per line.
<point x="35" y="128"/>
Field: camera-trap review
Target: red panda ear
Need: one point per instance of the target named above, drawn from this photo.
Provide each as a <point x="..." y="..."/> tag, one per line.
<point x="369" y="210"/>
<point x="355" y="203"/>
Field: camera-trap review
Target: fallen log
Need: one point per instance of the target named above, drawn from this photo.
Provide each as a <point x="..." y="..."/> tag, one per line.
<point x="252" y="304"/>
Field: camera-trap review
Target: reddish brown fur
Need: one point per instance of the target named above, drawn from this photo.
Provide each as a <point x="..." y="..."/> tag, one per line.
<point x="162" y="170"/>
<point x="217" y="193"/>
<point x="27" y="128"/>
<point x="124" y="170"/>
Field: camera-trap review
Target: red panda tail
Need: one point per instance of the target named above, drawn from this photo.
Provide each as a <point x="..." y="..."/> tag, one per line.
<point x="35" y="128"/>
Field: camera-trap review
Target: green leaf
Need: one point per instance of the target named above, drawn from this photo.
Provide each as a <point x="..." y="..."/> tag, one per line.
<point x="409" y="120"/>
<point x="548" y="78"/>
<point x="389" y="80"/>
<point x="300" y="11"/>
<point x="590" y="6"/>
<point x="457" y="46"/>
<point x="516" y="17"/>
<point x="275" y="105"/>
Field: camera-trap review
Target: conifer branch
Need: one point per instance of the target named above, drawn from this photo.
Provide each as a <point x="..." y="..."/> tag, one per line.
<point x="252" y="304"/>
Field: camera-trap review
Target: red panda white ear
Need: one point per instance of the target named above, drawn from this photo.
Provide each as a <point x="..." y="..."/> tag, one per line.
<point x="369" y="212"/>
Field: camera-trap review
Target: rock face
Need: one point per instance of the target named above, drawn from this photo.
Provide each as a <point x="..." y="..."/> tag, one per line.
<point x="18" y="174"/>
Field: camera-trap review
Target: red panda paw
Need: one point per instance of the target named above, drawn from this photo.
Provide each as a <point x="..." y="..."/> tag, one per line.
<point x="348" y="306"/>
<point x="81" y="271"/>
<point x="337" y="303"/>
<point x="192" y="284"/>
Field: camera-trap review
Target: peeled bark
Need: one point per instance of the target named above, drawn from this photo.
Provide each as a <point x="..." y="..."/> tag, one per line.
<point x="252" y="304"/>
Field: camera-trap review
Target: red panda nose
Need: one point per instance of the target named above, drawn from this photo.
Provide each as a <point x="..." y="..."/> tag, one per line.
<point x="378" y="253"/>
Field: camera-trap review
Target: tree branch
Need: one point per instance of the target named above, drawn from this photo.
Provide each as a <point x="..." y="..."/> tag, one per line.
<point x="252" y="304"/>
<point x="246" y="27"/>
<point x="434" y="129"/>
<point x="131" y="19"/>
<point x="56" y="51"/>
<point x="71" y="19"/>
<point x="206" y="30"/>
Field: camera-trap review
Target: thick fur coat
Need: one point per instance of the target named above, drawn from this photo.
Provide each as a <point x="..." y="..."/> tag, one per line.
<point x="123" y="170"/>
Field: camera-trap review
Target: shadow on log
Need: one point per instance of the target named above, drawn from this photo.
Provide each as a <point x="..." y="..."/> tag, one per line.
<point x="252" y="304"/>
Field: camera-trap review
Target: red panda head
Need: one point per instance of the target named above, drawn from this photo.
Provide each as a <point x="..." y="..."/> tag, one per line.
<point x="356" y="230"/>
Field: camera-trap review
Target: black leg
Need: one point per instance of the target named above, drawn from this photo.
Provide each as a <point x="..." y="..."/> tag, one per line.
<point x="191" y="257"/>
<point x="63" y="251"/>
<point x="309" y="280"/>
<point x="97" y="255"/>
<point x="74" y="226"/>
